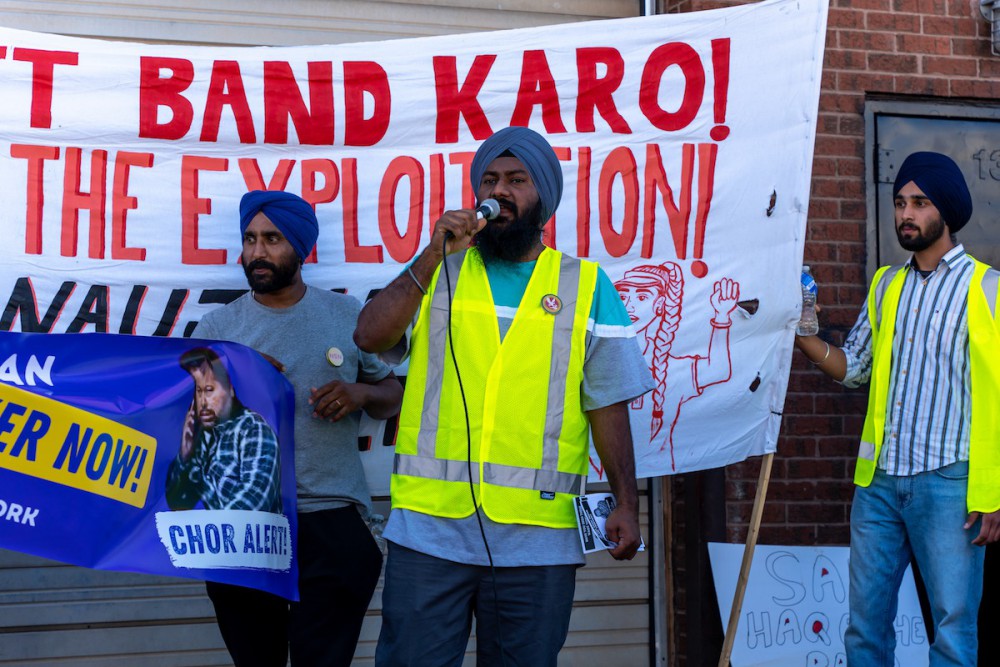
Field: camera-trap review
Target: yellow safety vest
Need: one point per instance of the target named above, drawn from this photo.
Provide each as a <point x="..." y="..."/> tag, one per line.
<point x="984" y="342"/>
<point x="528" y="437"/>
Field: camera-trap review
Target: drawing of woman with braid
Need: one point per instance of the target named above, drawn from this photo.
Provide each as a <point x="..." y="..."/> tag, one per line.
<point x="653" y="297"/>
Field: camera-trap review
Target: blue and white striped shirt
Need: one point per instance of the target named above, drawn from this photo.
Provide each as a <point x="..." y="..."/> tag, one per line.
<point x="928" y="414"/>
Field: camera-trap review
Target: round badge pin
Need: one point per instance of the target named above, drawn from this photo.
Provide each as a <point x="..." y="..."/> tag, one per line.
<point x="551" y="303"/>
<point x="335" y="356"/>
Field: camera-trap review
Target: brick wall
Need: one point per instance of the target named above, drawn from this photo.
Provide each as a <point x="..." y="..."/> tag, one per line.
<point x="917" y="50"/>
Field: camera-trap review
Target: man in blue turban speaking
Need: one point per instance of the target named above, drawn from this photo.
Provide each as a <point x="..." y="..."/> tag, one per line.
<point x="519" y="353"/>
<point x="306" y="332"/>
<point x="929" y="460"/>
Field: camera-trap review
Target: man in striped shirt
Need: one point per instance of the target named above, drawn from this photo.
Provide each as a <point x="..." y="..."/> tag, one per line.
<point x="926" y="470"/>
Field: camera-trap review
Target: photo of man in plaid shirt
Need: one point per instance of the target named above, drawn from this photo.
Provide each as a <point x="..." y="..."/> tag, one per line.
<point x="228" y="458"/>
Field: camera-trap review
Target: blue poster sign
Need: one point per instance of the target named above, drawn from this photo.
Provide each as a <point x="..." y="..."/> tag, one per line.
<point x="157" y="455"/>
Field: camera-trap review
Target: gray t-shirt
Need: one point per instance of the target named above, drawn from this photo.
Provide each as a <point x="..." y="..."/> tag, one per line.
<point x="328" y="471"/>
<point x="614" y="371"/>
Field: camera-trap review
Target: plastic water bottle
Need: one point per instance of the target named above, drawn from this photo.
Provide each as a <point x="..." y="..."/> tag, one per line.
<point x="808" y="323"/>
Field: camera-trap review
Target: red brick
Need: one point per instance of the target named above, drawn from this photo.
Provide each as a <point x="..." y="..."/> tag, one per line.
<point x="838" y="231"/>
<point x="959" y="8"/>
<point x="892" y="23"/>
<point x="866" y="41"/>
<point x="987" y="90"/>
<point x="841" y="60"/>
<point x="949" y="66"/>
<point x="865" y="82"/>
<point x="824" y="166"/>
<point x="898" y="64"/>
<point x="842" y="100"/>
<point x="922" y="44"/>
<point x="790" y="446"/>
<point x="853" y="210"/>
<point x="920" y="6"/>
<point x="822" y="208"/>
<point x="831" y="145"/>
<point x="825" y="187"/>
<point x="821" y="513"/>
<point x="827" y="123"/>
<point x="834" y="535"/>
<point x="787" y="535"/>
<point x="844" y="448"/>
<point x="921" y="86"/>
<point x="739" y="514"/>
<point x="851" y="294"/>
<point x="813" y="425"/>
<point x="949" y="27"/>
<point x="815" y="469"/>
<point x="820" y="252"/>
<point x="971" y="47"/>
<point x="845" y="18"/>
<point x="851" y="252"/>
<point x="882" y="5"/>
<point x="852" y="125"/>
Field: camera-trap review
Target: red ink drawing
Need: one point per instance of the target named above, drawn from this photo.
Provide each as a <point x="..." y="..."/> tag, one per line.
<point x="653" y="296"/>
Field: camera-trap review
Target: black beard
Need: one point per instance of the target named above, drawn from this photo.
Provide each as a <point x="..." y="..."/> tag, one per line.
<point x="512" y="241"/>
<point x="921" y="242"/>
<point x="281" y="276"/>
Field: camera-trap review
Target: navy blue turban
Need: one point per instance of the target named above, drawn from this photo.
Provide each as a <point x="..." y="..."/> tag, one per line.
<point x="291" y="214"/>
<point x="535" y="154"/>
<point x="941" y="180"/>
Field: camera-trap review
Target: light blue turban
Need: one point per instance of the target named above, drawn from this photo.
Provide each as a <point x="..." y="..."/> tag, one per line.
<point x="535" y="154"/>
<point x="291" y="214"/>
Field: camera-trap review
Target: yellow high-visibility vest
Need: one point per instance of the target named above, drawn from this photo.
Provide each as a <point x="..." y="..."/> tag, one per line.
<point x="984" y="345"/>
<point x="528" y="437"/>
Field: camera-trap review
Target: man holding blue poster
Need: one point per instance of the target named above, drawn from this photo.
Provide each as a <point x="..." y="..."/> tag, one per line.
<point x="306" y="332"/>
<point x="228" y="457"/>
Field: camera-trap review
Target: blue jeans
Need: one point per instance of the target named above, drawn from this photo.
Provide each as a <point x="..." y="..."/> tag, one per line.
<point x="920" y="517"/>
<point x="428" y="603"/>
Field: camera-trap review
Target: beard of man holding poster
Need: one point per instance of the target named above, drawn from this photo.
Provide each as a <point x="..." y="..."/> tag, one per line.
<point x="927" y="468"/>
<point x="541" y="352"/>
<point x="306" y="333"/>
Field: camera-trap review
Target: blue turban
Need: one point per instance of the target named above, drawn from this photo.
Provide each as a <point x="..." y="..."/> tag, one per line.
<point x="291" y="214"/>
<point x="535" y="154"/>
<point x="941" y="180"/>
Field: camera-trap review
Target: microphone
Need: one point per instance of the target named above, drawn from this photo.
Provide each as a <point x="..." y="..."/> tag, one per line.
<point x="489" y="209"/>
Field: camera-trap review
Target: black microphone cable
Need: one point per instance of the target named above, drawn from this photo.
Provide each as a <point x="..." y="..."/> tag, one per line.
<point x="468" y="440"/>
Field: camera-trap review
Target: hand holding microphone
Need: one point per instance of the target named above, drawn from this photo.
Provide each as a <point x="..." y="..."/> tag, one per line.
<point x="460" y="226"/>
<point x="488" y="210"/>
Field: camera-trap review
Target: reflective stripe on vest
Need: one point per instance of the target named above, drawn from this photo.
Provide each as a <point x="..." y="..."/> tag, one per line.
<point x="458" y="471"/>
<point x="437" y="336"/>
<point x="562" y="340"/>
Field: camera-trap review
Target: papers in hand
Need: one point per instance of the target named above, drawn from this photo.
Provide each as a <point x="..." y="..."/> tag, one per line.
<point x="592" y="512"/>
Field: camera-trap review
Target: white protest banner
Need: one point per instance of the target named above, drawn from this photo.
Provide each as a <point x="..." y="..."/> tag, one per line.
<point x="686" y="141"/>
<point x="795" y="610"/>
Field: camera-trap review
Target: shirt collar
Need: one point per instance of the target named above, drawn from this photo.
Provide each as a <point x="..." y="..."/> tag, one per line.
<point x="951" y="259"/>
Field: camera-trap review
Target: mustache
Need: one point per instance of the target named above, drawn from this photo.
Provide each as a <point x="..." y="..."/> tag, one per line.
<point x="508" y="204"/>
<point x="261" y="264"/>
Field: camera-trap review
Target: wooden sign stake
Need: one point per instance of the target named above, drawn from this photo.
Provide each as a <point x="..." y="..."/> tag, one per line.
<point x="741" y="583"/>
